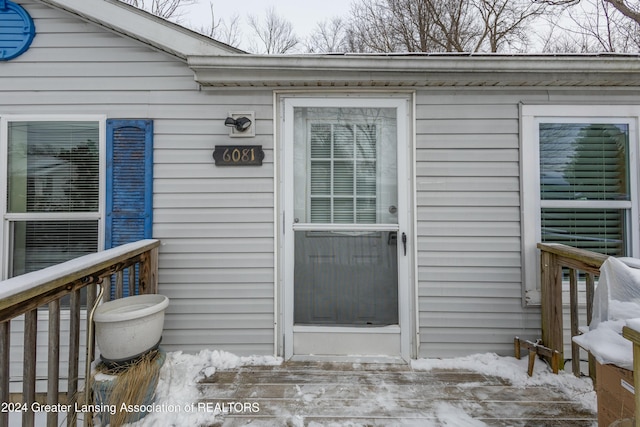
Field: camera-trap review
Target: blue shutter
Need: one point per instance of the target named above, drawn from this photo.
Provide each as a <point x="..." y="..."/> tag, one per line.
<point x="129" y="186"/>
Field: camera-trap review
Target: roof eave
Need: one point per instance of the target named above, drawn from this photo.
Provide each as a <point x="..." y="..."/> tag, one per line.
<point x="427" y="70"/>
<point x="137" y="24"/>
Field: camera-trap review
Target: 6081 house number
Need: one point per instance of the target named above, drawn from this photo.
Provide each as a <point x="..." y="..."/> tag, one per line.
<point x="238" y="155"/>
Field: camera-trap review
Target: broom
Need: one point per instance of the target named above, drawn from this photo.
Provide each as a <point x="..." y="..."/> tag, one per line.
<point x="132" y="385"/>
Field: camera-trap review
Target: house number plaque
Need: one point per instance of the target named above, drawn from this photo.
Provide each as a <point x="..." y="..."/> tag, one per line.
<point x="238" y="155"/>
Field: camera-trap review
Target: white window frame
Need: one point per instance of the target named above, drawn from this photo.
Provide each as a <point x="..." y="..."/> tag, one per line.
<point x="531" y="116"/>
<point x="5" y="244"/>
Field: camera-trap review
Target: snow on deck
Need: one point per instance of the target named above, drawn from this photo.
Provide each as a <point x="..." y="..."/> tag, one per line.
<point x="480" y="390"/>
<point x="219" y="389"/>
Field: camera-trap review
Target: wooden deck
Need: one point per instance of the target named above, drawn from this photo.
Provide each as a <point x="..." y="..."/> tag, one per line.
<point x="337" y="394"/>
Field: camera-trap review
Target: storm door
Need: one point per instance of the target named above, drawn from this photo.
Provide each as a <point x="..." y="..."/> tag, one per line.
<point x="345" y="228"/>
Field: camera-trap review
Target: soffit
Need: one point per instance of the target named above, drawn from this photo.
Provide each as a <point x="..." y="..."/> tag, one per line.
<point x="291" y="71"/>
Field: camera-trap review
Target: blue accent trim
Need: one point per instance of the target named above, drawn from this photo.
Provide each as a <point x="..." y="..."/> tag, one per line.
<point x="17" y="30"/>
<point x="129" y="185"/>
<point x="129" y="181"/>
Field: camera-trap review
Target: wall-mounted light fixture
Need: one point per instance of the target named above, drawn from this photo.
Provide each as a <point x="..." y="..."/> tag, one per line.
<point x="240" y="124"/>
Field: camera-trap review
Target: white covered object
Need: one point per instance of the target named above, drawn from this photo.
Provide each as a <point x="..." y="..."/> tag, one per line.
<point x="616" y="300"/>
<point x="128" y="327"/>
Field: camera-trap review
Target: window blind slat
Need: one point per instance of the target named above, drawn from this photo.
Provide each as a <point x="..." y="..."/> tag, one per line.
<point x="343" y="173"/>
<point x="41" y="244"/>
<point x="53" y="167"/>
<point x="581" y="161"/>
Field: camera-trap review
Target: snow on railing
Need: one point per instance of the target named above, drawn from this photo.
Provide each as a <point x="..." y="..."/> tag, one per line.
<point x="26" y="294"/>
<point x="553" y="259"/>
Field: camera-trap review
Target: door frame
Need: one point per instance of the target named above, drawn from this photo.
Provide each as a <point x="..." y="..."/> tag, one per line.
<point x="407" y="330"/>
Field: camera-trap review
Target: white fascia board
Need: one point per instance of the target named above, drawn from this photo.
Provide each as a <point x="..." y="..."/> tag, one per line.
<point x="265" y="70"/>
<point x="143" y="26"/>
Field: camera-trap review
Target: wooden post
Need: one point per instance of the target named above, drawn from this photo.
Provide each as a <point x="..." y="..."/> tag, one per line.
<point x="131" y="279"/>
<point x="573" y="297"/>
<point x="149" y="272"/>
<point x="536" y="348"/>
<point x="5" y="347"/>
<point x="119" y="284"/>
<point x="53" y="371"/>
<point x="29" y="375"/>
<point x="532" y="361"/>
<point x="107" y="283"/>
<point x="74" y="350"/>
<point x="555" y="362"/>
<point x="551" y="294"/>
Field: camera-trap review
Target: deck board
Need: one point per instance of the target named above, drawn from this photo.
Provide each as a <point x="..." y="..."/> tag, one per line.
<point x="306" y="393"/>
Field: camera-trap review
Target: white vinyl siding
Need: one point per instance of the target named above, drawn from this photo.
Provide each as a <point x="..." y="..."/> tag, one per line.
<point x="468" y="219"/>
<point x="215" y="224"/>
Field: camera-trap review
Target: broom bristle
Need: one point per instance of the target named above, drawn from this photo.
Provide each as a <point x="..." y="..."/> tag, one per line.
<point x="132" y="385"/>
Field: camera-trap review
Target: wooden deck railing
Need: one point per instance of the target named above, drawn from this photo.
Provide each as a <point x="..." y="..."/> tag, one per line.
<point x="28" y="294"/>
<point x="553" y="259"/>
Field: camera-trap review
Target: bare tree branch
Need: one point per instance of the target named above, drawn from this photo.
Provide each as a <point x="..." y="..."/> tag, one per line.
<point x="329" y="36"/>
<point x="626" y="9"/>
<point x="225" y="31"/>
<point x="274" y="32"/>
<point x="167" y="9"/>
<point x="630" y="9"/>
<point x="373" y="28"/>
<point x="600" y="26"/>
<point x="442" y="25"/>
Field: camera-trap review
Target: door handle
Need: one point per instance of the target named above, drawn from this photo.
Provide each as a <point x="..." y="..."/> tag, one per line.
<point x="404" y="243"/>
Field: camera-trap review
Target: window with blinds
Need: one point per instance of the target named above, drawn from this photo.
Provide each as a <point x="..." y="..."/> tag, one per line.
<point x="584" y="185"/>
<point x="52" y="192"/>
<point x="343" y="173"/>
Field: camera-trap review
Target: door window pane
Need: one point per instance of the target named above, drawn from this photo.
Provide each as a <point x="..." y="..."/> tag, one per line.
<point x="345" y="165"/>
<point x="346" y="278"/>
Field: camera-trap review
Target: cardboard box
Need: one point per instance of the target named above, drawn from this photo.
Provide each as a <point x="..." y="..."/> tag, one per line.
<point x="616" y="398"/>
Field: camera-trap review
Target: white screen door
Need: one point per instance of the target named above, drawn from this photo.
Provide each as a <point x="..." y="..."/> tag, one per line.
<point x="345" y="226"/>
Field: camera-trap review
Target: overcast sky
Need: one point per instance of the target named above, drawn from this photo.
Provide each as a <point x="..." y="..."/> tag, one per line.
<point x="303" y="14"/>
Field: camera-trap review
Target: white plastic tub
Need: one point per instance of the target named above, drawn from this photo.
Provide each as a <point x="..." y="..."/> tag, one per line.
<point x="129" y="327"/>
